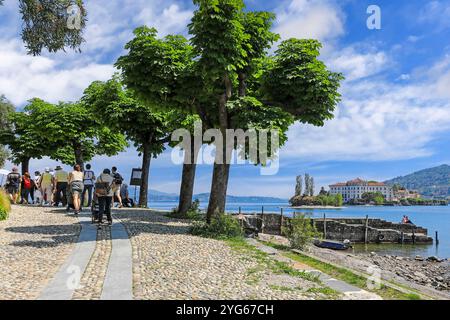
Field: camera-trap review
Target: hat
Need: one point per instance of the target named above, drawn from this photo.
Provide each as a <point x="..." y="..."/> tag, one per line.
<point x="47" y="169"/>
<point x="58" y="168"/>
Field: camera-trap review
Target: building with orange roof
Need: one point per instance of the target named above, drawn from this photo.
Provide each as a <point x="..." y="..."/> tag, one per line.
<point x="354" y="189"/>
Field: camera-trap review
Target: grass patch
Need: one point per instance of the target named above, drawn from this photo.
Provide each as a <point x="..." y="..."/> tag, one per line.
<point x="5" y="205"/>
<point x="249" y="252"/>
<point x="346" y="275"/>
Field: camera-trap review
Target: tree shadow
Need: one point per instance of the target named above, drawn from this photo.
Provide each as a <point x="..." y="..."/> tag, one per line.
<point x="56" y="234"/>
<point x="151" y="222"/>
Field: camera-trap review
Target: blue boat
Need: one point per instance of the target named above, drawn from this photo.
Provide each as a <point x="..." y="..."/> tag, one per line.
<point x="334" y="245"/>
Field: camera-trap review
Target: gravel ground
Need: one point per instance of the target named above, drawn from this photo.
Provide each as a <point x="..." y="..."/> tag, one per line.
<point x="169" y="263"/>
<point x="34" y="243"/>
<point x="91" y="283"/>
<point x="431" y="274"/>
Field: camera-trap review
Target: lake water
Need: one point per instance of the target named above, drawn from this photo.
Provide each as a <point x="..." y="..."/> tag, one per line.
<point x="433" y="218"/>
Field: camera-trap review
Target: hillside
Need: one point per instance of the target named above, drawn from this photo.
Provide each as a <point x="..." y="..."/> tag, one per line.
<point x="432" y="182"/>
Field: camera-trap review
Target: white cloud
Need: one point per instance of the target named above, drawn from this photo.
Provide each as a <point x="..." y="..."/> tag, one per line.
<point x="64" y="75"/>
<point x="355" y="65"/>
<point x="379" y="120"/>
<point x="320" y="19"/>
<point x="436" y="13"/>
<point x="23" y="77"/>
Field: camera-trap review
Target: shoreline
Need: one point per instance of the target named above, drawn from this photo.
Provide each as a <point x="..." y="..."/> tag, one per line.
<point x="317" y="207"/>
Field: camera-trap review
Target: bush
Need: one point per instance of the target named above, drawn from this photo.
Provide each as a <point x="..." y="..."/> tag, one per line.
<point x="3" y="214"/>
<point x="300" y="232"/>
<point x="194" y="212"/>
<point x="222" y="226"/>
<point x="5" y="203"/>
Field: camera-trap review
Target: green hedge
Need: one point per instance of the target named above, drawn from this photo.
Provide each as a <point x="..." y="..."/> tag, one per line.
<point x="5" y="205"/>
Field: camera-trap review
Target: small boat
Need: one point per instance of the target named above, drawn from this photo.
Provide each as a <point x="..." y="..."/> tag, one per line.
<point x="334" y="245"/>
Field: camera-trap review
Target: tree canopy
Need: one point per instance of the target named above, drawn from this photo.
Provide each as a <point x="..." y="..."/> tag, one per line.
<point x="226" y="76"/>
<point x="52" y="24"/>
<point x="140" y="122"/>
<point x="6" y="108"/>
<point x="77" y="132"/>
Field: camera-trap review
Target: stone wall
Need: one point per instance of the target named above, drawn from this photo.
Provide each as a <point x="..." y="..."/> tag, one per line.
<point x="353" y="229"/>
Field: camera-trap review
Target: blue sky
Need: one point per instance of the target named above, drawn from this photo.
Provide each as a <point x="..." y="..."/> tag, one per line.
<point x="394" y="117"/>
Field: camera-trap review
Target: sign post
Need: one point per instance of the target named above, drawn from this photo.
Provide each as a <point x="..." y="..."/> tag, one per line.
<point x="136" y="180"/>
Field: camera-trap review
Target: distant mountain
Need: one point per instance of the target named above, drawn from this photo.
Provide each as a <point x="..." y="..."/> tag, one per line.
<point x="204" y="197"/>
<point x="158" y="196"/>
<point x="432" y="182"/>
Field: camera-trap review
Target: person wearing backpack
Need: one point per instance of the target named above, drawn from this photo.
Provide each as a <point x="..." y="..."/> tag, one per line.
<point x="104" y="193"/>
<point x="13" y="181"/>
<point x="89" y="180"/>
<point x="26" y="186"/>
<point x="118" y="180"/>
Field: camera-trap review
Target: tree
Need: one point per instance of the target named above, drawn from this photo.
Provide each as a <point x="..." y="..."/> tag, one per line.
<point x="139" y="122"/>
<point x="23" y="139"/>
<point x="323" y="192"/>
<point x="240" y="86"/>
<point x="6" y="108"/>
<point x="76" y="132"/>
<point x="298" y="186"/>
<point x="307" y="185"/>
<point x="52" y="25"/>
<point x="339" y="200"/>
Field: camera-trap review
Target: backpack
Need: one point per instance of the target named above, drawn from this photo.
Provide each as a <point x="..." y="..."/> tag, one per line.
<point x="88" y="177"/>
<point x="102" y="189"/>
<point x="118" y="178"/>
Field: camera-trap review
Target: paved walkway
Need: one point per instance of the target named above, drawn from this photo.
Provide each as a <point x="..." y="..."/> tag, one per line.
<point x="117" y="283"/>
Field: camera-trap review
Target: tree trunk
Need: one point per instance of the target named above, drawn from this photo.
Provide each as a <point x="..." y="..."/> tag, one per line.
<point x="219" y="185"/>
<point x="25" y="165"/>
<point x="187" y="181"/>
<point x="146" y="160"/>
<point x="78" y="151"/>
<point x="217" y="200"/>
<point x="242" y="84"/>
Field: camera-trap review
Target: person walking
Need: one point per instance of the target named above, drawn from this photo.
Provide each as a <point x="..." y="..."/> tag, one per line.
<point x="104" y="193"/>
<point x="118" y="180"/>
<point x="26" y="186"/>
<point x="37" y="196"/>
<point x="76" y="187"/>
<point x="13" y="180"/>
<point x="88" y="181"/>
<point x="46" y="183"/>
<point x="61" y="180"/>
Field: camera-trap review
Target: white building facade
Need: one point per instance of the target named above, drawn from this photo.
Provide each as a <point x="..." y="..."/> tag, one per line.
<point x="354" y="189"/>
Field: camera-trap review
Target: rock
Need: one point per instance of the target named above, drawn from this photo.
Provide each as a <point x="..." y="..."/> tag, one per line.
<point x="434" y="259"/>
<point x="373" y="254"/>
<point x="419" y="258"/>
<point x="399" y="258"/>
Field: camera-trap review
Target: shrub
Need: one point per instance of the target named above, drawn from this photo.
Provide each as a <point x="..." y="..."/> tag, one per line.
<point x="3" y="214"/>
<point x="300" y="232"/>
<point x="222" y="226"/>
<point x="5" y="203"/>
<point x="194" y="212"/>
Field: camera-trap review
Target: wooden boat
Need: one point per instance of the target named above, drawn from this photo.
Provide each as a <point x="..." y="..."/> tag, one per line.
<point x="334" y="245"/>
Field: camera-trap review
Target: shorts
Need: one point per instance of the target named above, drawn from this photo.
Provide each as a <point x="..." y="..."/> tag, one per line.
<point x="12" y="189"/>
<point x="77" y="188"/>
<point x="116" y="190"/>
